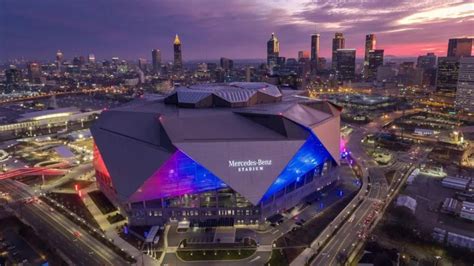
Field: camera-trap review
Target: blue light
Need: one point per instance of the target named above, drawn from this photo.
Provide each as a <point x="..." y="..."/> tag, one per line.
<point x="340" y="193"/>
<point x="311" y="155"/>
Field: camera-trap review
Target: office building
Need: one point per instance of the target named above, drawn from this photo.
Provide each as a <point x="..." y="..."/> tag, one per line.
<point x="273" y="52"/>
<point x="227" y="64"/>
<point x="370" y="43"/>
<point x="156" y="60"/>
<point x="375" y="61"/>
<point x="459" y="47"/>
<point x="427" y="61"/>
<point x="216" y="154"/>
<point x="428" y="64"/>
<point x="34" y="72"/>
<point x="142" y="64"/>
<point x="465" y="85"/>
<point x="345" y="69"/>
<point x="178" y="57"/>
<point x="447" y="74"/>
<point x="12" y="75"/>
<point x="337" y="43"/>
<point x="59" y="56"/>
<point x="91" y="59"/>
<point x="314" y="52"/>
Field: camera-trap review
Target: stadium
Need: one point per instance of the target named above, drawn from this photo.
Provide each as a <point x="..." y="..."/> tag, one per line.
<point x="215" y="154"/>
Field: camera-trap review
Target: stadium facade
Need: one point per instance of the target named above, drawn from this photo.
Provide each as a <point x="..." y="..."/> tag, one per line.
<point x="215" y="154"/>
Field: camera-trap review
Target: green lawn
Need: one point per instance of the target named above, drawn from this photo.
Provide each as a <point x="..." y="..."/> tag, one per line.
<point x="198" y="255"/>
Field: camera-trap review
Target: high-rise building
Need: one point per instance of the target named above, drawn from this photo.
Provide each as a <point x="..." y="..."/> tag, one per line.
<point x="91" y="59"/>
<point x="248" y="74"/>
<point x="34" y="72"/>
<point x="370" y="43"/>
<point x="447" y="74"/>
<point x="142" y="64"/>
<point x="321" y="63"/>
<point x="59" y="56"/>
<point x="227" y="64"/>
<point x="460" y="47"/>
<point x="76" y="61"/>
<point x="59" y="59"/>
<point x="178" y="57"/>
<point x="375" y="61"/>
<point x="12" y="75"/>
<point x="273" y="52"/>
<point x="303" y="56"/>
<point x="345" y="68"/>
<point x="465" y="86"/>
<point x="337" y="43"/>
<point x="314" y="52"/>
<point x="427" y="63"/>
<point x="156" y="60"/>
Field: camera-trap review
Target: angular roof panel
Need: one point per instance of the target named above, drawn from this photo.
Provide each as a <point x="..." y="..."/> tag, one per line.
<point x="248" y="167"/>
<point x="139" y="140"/>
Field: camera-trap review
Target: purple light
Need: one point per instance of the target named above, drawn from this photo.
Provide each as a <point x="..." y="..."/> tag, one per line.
<point x="178" y="176"/>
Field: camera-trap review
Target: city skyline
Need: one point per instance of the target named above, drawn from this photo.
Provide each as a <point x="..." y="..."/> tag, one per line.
<point x="234" y="30"/>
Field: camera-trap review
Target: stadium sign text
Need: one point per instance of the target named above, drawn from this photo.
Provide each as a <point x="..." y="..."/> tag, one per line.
<point x="250" y="165"/>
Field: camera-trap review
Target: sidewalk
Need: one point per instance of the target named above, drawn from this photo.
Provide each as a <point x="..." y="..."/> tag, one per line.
<point x="111" y="233"/>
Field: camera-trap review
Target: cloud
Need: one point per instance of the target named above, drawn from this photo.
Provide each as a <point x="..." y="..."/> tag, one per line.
<point x="210" y="29"/>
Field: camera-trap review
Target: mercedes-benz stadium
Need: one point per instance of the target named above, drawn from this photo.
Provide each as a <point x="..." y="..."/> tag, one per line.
<point x="215" y="154"/>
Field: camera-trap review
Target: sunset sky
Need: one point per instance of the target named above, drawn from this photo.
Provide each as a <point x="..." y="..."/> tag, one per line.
<point x="210" y="29"/>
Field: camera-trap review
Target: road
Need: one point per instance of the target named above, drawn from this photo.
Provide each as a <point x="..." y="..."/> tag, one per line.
<point x="348" y="234"/>
<point x="81" y="250"/>
<point x="339" y="236"/>
<point x="355" y="230"/>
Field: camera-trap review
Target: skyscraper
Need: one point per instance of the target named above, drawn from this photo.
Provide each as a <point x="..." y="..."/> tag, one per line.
<point x="447" y="74"/>
<point x="465" y="86"/>
<point x="460" y="47"/>
<point x="59" y="59"/>
<point x="370" y="43"/>
<point x="142" y="64"/>
<point x="59" y="56"/>
<point x="91" y="59"/>
<point x="345" y="64"/>
<point x="273" y="51"/>
<point x="156" y="60"/>
<point x="337" y="43"/>
<point x="227" y="64"/>
<point x="375" y="61"/>
<point x="314" y="52"/>
<point x="178" y="57"/>
<point x="427" y="63"/>
<point x="34" y="72"/>
<point x="12" y="75"/>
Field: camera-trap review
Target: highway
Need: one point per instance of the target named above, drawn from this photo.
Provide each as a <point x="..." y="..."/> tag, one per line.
<point x="337" y="242"/>
<point x="80" y="247"/>
<point x="354" y="231"/>
<point x="357" y="226"/>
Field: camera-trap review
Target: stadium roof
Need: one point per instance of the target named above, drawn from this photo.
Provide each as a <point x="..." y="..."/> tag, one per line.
<point x="147" y="134"/>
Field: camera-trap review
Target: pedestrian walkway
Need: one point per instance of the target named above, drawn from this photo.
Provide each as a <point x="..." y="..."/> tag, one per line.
<point x="111" y="233"/>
